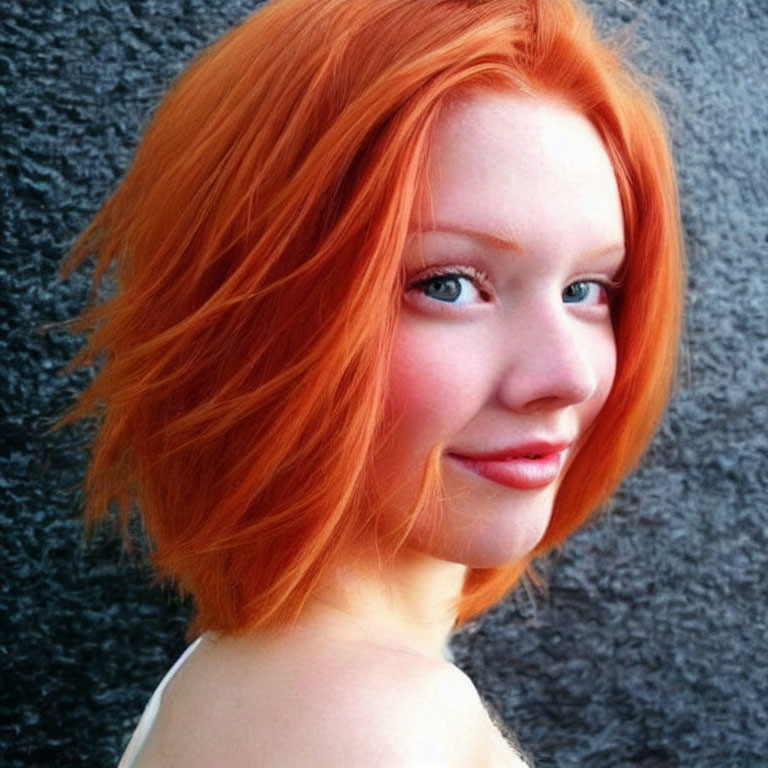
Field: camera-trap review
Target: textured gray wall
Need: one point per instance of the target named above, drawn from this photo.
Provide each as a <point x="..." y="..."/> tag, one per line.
<point x="649" y="649"/>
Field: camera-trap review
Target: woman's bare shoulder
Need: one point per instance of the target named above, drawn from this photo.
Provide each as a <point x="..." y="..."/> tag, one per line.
<point x="344" y="705"/>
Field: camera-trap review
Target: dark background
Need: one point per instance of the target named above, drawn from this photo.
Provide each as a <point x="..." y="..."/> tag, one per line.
<point x="650" y="648"/>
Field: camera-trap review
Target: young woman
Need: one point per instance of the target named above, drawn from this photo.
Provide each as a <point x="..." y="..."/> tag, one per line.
<point x="398" y="305"/>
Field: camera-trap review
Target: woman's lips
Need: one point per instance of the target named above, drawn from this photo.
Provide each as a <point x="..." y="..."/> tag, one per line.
<point x="518" y="472"/>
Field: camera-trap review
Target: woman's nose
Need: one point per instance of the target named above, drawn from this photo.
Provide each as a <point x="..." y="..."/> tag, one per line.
<point x="550" y="366"/>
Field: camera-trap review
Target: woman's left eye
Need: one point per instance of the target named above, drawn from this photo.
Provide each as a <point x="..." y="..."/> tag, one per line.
<point x="585" y="292"/>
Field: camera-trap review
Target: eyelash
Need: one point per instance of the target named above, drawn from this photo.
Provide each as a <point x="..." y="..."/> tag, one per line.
<point x="478" y="277"/>
<point x="482" y="281"/>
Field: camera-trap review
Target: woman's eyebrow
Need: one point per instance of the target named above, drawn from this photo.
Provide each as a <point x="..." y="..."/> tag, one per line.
<point x="505" y="244"/>
<point x="487" y="238"/>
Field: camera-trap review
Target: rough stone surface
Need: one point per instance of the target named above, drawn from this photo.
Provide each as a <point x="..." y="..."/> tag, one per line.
<point x="649" y="649"/>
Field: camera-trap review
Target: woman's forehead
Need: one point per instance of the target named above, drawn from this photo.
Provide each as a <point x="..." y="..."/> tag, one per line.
<point x="526" y="171"/>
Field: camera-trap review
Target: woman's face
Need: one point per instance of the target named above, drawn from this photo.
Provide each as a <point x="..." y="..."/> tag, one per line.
<point x="504" y="351"/>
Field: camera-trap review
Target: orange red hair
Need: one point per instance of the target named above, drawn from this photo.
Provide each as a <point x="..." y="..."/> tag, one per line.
<point x="255" y="244"/>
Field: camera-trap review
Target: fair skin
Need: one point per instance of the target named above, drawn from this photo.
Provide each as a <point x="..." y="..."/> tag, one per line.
<point x="504" y="339"/>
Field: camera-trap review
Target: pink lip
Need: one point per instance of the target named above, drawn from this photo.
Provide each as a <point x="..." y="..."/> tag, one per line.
<point x="512" y="467"/>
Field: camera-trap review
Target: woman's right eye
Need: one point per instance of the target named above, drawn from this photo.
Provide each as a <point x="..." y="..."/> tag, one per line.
<point x="455" y="287"/>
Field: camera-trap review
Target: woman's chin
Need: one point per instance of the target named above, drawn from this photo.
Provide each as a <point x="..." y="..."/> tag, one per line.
<point x="486" y="549"/>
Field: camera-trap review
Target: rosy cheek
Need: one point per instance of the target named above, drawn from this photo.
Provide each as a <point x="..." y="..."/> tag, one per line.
<point x="434" y="381"/>
<point x="419" y="383"/>
<point x="605" y="366"/>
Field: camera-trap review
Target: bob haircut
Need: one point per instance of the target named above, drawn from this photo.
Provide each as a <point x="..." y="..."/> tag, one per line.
<point x="256" y="245"/>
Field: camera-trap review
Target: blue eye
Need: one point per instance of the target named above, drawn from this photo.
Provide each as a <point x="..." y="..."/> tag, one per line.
<point x="585" y="292"/>
<point x="451" y="288"/>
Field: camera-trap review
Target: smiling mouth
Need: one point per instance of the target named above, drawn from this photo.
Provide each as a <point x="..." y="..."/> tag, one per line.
<point x="527" y="471"/>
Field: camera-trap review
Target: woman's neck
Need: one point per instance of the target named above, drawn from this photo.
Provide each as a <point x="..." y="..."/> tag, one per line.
<point x="410" y="606"/>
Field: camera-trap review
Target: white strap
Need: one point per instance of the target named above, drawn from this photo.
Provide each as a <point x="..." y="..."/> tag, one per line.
<point x="135" y="745"/>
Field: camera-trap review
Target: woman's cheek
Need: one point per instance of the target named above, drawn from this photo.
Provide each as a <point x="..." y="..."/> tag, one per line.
<point x="435" y="380"/>
<point x="605" y="362"/>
